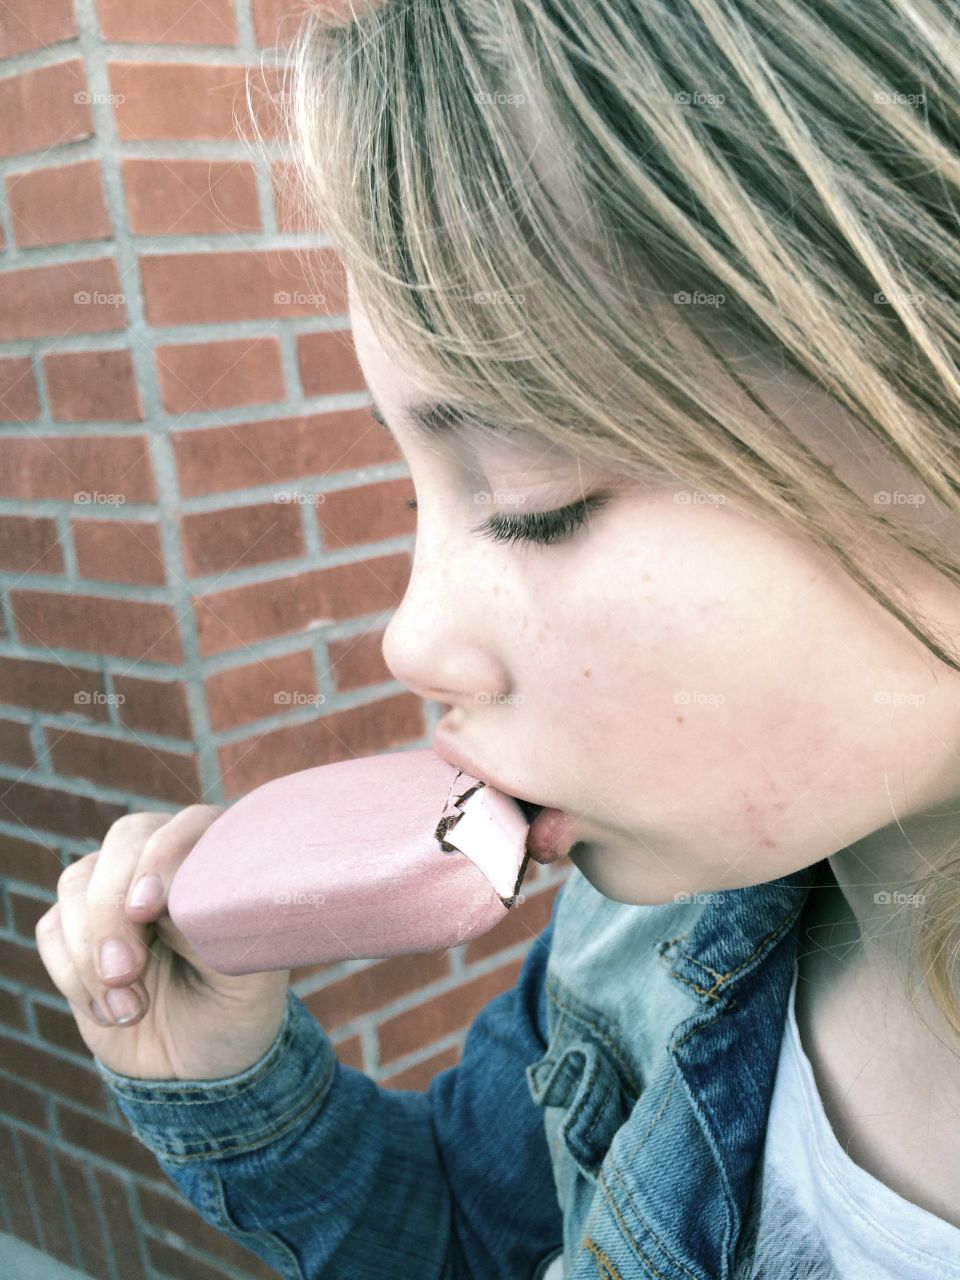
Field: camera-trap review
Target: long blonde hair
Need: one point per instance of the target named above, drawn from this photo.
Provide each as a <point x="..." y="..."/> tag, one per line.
<point x="549" y="205"/>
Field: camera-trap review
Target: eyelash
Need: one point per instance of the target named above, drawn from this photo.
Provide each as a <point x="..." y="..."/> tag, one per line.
<point x="541" y="527"/>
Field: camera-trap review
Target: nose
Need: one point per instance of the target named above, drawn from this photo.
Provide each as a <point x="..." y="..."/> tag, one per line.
<point x="442" y="640"/>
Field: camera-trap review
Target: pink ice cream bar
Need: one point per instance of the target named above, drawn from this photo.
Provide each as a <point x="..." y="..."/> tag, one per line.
<point x="361" y="859"/>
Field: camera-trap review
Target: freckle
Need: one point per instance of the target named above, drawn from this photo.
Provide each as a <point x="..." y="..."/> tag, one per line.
<point x="587" y="673"/>
<point x="768" y="843"/>
<point x="646" y="578"/>
<point x="679" y="719"/>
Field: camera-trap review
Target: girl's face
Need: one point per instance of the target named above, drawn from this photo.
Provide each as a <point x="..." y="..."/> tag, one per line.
<point x="716" y="704"/>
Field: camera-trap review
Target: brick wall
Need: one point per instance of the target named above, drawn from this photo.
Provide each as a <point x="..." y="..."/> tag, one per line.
<point x="171" y="630"/>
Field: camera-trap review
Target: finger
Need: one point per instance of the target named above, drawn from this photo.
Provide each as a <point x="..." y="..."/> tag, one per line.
<point x="119" y="946"/>
<point x="72" y="890"/>
<point x="163" y="855"/>
<point x="63" y="975"/>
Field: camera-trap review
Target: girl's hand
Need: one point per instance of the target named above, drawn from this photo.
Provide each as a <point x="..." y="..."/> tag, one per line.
<point x="191" y="1022"/>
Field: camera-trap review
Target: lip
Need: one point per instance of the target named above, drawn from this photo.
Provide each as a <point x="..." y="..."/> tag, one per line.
<point x="449" y="752"/>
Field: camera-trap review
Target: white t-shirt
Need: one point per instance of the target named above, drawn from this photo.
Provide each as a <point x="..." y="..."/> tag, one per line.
<point x="815" y="1213"/>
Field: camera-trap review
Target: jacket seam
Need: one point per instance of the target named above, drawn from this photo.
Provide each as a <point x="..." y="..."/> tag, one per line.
<point x="238" y="1144"/>
<point x="600" y="1031"/>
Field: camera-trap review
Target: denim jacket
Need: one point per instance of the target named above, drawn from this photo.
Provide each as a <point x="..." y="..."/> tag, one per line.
<point x="611" y="1108"/>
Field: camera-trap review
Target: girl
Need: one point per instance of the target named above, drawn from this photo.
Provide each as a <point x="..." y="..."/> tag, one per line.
<point x="658" y="300"/>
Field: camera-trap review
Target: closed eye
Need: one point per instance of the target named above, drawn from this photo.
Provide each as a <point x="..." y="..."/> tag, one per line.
<point x="539" y="527"/>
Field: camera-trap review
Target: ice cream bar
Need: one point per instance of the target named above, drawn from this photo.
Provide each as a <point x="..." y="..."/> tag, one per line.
<point x="361" y="859"/>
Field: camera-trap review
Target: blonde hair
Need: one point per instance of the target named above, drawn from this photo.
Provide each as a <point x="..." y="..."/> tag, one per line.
<point x="523" y="192"/>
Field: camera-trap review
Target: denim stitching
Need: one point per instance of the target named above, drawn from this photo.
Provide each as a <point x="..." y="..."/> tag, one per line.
<point x="607" y="1191"/>
<point x="605" y="1267"/>
<point x="240" y="1143"/>
<point x="600" y="1031"/>
<point x="721" y="978"/>
<point x="259" y="1233"/>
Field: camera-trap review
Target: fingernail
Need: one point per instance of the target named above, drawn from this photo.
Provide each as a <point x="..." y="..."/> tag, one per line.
<point x="122" y="1003"/>
<point x="116" y="959"/>
<point x="99" y="1014"/>
<point x="147" y="892"/>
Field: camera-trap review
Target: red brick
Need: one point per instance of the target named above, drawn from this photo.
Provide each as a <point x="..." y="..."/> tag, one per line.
<point x="248" y="692"/>
<point x="63" y="300"/>
<point x="370" y="989"/>
<point x="358" y="660"/>
<point x="196" y="376"/>
<point x="18" y="390"/>
<point x="127" y="766"/>
<point x="203" y="102"/>
<point x="328" y="363"/>
<point x="154" y="706"/>
<point x="15" y="748"/>
<point x="220" y="541"/>
<point x="63" y="466"/>
<point x="419" y="1076"/>
<point x="366" y="513"/>
<point x="59" y="204"/>
<point x="33" y="863"/>
<point x="84" y="386"/>
<point x="37" y="1158"/>
<point x="136" y="629"/>
<point x="276" y="20"/>
<point x="115" y="1145"/>
<point x="218" y="288"/>
<point x="119" y="551"/>
<point x="84" y="1214"/>
<point x="54" y="1073"/>
<point x="30" y="544"/>
<point x="190" y="197"/>
<point x="349" y="1051"/>
<point x="118" y="1223"/>
<point x="22" y="1224"/>
<point x="52" y="686"/>
<point x="522" y="923"/>
<point x="21" y="962"/>
<point x="24" y="1104"/>
<point x="11" y="1011"/>
<point x="291" y="210"/>
<point x="444" y="1014"/>
<point x="26" y="25"/>
<point x="263" y="610"/>
<point x="44" y="107"/>
<point x="217" y="459"/>
<point x="51" y="808"/>
<point x="168" y="21"/>
<point x="167" y="1214"/>
<point x="57" y="1026"/>
<point x="339" y="735"/>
